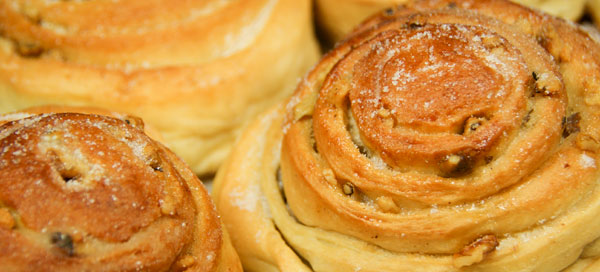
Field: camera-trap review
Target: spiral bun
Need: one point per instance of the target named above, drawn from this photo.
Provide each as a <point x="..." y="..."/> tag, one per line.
<point x="197" y="71"/>
<point x="438" y="136"/>
<point x="93" y="193"/>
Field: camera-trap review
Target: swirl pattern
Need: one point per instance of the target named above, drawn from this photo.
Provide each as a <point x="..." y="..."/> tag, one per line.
<point x="92" y="193"/>
<point x="194" y="70"/>
<point x="438" y="136"/>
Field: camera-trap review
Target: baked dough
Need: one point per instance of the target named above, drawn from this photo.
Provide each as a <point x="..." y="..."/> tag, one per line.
<point x="194" y="70"/>
<point x="337" y="18"/>
<point x="438" y="136"/>
<point x="86" y="192"/>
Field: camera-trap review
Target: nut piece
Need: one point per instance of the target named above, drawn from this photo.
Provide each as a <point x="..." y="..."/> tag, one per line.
<point x="388" y="122"/>
<point x="329" y="176"/>
<point x="186" y="262"/>
<point x="453" y="160"/>
<point x="386" y="203"/>
<point x="546" y="84"/>
<point x="455" y="165"/>
<point x="167" y="206"/>
<point x="383" y="112"/>
<point x="475" y="252"/>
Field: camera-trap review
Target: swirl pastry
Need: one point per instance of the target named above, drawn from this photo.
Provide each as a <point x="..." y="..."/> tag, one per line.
<point x="194" y="70"/>
<point x="439" y="136"/>
<point x="337" y="20"/>
<point x="84" y="192"/>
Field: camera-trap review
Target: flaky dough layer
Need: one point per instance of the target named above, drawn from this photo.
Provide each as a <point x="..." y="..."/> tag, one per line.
<point x="438" y="136"/>
<point x="86" y="192"/>
<point x="194" y="70"/>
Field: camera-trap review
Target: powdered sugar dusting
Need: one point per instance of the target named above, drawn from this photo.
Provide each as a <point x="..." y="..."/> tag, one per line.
<point x="247" y="199"/>
<point x="14" y="116"/>
<point x="587" y="161"/>
<point x="138" y="147"/>
<point x="378" y="162"/>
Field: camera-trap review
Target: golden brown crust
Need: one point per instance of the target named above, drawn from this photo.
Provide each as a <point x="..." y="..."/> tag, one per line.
<point x="439" y="136"/>
<point x="90" y="192"/>
<point x="44" y="109"/>
<point x="194" y="70"/>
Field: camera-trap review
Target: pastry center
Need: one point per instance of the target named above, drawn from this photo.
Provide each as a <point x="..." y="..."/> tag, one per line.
<point x="424" y="93"/>
<point x="432" y="80"/>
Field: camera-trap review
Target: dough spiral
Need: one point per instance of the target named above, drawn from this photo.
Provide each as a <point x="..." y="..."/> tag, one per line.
<point x="438" y="136"/>
<point x="194" y="70"/>
<point x="87" y="192"/>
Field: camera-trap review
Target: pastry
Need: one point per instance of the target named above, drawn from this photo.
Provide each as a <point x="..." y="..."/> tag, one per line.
<point x="438" y="136"/>
<point x="194" y="70"/>
<point x="337" y="18"/>
<point x="86" y="192"/>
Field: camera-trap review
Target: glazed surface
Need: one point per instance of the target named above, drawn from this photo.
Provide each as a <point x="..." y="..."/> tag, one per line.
<point x="89" y="192"/>
<point x="438" y="136"/>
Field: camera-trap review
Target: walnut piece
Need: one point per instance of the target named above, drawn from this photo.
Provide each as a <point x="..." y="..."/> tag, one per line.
<point x="475" y="252"/>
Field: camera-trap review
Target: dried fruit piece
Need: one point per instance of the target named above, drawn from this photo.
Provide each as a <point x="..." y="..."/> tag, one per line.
<point x="571" y="124"/>
<point x="63" y="242"/>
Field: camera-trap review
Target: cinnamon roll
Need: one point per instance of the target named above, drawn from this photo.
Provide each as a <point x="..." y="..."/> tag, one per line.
<point x="85" y="192"/>
<point x="438" y="136"/>
<point x="194" y="70"/>
<point x="337" y="18"/>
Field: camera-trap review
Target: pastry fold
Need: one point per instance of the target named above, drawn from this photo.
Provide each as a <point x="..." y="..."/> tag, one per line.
<point x="194" y="70"/>
<point x="438" y="136"/>
<point x="87" y="192"/>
